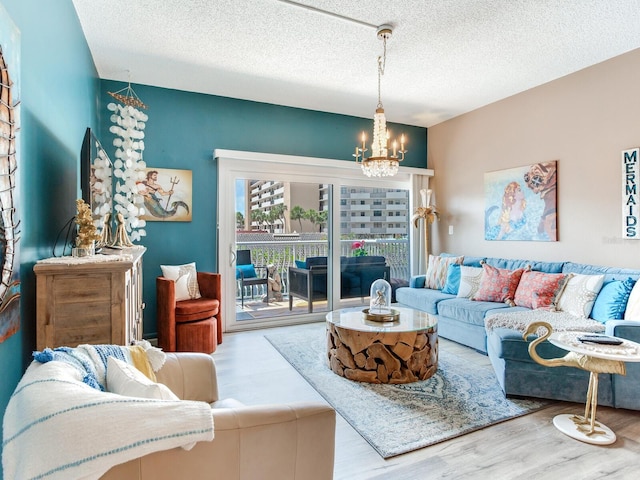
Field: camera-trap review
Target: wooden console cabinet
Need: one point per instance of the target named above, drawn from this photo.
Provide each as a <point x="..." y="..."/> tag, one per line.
<point x="96" y="300"/>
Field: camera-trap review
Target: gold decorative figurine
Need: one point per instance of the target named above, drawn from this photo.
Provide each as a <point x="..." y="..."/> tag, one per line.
<point x="107" y="232"/>
<point x="121" y="239"/>
<point x="87" y="233"/>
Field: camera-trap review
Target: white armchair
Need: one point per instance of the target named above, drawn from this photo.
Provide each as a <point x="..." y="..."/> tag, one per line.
<point x="267" y="442"/>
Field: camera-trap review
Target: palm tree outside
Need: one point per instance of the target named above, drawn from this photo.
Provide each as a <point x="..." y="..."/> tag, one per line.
<point x="298" y="213"/>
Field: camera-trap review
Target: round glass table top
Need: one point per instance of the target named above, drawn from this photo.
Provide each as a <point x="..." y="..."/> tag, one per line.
<point x="627" y="351"/>
<point x="410" y="320"/>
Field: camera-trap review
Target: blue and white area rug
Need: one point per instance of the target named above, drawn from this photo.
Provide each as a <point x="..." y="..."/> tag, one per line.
<point x="460" y="398"/>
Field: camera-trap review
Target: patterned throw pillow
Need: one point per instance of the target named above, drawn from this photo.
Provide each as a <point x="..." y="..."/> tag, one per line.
<point x="185" y="278"/>
<point x="538" y="289"/>
<point x="498" y="284"/>
<point x="469" y="281"/>
<point x="437" y="271"/>
<point x="579" y="294"/>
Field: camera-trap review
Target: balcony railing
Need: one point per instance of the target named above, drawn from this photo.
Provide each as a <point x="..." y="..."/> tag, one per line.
<point x="284" y="253"/>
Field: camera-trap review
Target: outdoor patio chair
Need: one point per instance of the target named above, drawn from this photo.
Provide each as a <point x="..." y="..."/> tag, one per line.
<point x="247" y="274"/>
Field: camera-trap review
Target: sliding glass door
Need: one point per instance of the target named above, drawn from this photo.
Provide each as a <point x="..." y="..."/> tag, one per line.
<point x="281" y="248"/>
<point x="374" y="240"/>
<point x="298" y="237"/>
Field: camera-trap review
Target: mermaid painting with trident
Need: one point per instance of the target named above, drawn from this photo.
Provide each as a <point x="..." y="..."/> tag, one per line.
<point x="153" y="194"/>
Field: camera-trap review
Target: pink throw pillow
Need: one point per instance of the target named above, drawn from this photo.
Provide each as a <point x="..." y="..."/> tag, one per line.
<point x="538" y="289"/>
<point x="498" y="284"/>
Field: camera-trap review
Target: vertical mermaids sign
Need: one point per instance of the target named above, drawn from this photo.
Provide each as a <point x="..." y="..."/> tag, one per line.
<point x="630" y="195"/>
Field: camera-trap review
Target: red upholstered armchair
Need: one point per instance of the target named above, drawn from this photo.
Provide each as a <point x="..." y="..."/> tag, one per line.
<point x="193" y="325"/>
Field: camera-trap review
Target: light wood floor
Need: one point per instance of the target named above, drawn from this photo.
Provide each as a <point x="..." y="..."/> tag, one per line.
<point x="253" y="372"/>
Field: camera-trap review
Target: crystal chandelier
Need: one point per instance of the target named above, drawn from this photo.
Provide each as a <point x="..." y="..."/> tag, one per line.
<point x="383" y="161"/>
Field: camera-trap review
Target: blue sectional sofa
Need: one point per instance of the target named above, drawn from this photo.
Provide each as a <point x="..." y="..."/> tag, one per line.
<point x="463" y="321"/>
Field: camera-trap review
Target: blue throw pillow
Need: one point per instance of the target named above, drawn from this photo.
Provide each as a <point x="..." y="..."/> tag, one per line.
<point x="247" y="271"/>
<point x="452" y="283"/>
<point x="301" y="264"/>
<point x="611" y="302"/>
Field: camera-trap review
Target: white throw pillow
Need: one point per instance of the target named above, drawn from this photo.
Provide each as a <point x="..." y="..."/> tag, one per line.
<point x="125" y="379"/>
<point x="632" y="311"/>
<point x="469" y="281"/>
<point x="579" y="294"/>
<point x="186" y="280"/>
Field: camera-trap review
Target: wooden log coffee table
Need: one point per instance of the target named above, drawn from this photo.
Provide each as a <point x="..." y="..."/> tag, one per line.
<point x="382" y="352"/>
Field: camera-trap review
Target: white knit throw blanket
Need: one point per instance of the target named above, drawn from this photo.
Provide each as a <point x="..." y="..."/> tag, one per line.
<point x="559" y="321"/>
<point x="57" y="427"/>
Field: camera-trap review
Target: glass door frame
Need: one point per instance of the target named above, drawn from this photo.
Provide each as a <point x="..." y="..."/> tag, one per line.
<point x="234" y="164"/>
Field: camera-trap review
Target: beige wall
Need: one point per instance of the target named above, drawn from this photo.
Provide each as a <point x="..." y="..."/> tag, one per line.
<point x="583" y="121"/>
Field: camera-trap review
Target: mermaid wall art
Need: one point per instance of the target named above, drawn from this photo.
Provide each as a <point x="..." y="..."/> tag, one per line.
<point x="167" y="195"/>
<point x="521" y="203"/>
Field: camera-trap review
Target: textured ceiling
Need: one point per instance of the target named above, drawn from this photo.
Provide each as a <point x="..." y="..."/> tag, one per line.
<point x="445" y="58"/>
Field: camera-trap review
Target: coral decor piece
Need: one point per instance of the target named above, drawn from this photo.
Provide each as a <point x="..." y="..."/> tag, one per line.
<point x="129" y="167"/>
<point x="87" y="231"/>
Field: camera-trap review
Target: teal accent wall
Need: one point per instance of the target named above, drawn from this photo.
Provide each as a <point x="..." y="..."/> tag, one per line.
<point x="59" y="95"/>
<point x="183" y="130"/>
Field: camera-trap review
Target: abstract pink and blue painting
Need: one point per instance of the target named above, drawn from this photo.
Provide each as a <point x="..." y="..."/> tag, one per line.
<point x="521" y="203"/>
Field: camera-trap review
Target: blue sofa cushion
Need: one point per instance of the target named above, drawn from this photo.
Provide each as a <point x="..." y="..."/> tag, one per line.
<point x="547" y="267"/>
<point x="629" y="329"/>
<point x="610" y="273"/>
<point x="467" y="311"/>
<point x="510" y="345"/>
<point x="452" y="283"/>
<point x="417" y="281"/>
<point x="468" y="260"/>
<point x="301" y="264"/>
<point x="473" y="261"/>
<point x="611" y="302"/>
<point x="511" y="264"/>
<point x="423" y="299"/>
